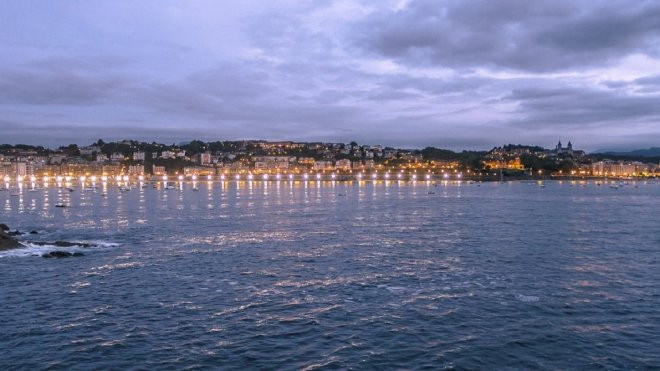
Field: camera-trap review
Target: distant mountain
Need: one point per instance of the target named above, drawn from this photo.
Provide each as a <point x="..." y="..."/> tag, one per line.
<point x="651" y="152"/>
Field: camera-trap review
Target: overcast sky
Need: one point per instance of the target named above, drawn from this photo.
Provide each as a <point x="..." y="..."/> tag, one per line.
<point x="455" y="74"/>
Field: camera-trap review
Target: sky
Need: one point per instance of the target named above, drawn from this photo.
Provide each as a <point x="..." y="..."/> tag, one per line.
<point x="458" y="74"/>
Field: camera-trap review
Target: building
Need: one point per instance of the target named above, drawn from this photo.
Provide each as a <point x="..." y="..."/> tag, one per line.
<point x="323" y="165"/>
<point x="344" y="164"/>
<point x="205" y="158"/>
<point x="167" y="154"/>
<point x="614" y="168"/>
<point x="138" y="156"/>
<point x="136" y="170"/>
<point x="111" y="170"/>
<point x="158" y="170"/>
<point x="100" y="157"/>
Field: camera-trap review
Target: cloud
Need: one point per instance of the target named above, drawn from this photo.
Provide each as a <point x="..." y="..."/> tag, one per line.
<point x="538" y="36"/>
<point x="570" y="107"/>
<point x="460" y="74"/>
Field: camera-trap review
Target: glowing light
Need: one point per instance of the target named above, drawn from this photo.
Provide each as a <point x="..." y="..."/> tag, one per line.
<point x="59" y="178"/>
<point x="222" y="177"/>
<point x="118" y="178"/>
<point x="33" y="178"/>
<point x="180" y="177"/>
<point x="164" y="178"/>
<point x="318" y="176"/>
<point x="93" y="178"/>
<point x="209" y="177"/>
<point x="141" y="177"/>
<point x="20" y="178"/>
<point x="7" y="178"/>
<point x="250" y="176"/>
<point x="459" y="175"/>
<point x="414" y="176"/>
<point x="45" y="179"/>
<point x="67" y="178"/>
<point x="446" y="176"/>
<point x="428" y="176"/>
<point x="360" y="176"/>
<point x="265" y="176"/>
<point x="278" y="176"/>
<point x="306" y="176"/>
<point x="334" y="176"/>
<point x="291" y="176"/>
<point x="238" y="176"/>
<point x="125" y="178"/>
<point x="399" y="176"/>
<point x="374" y="175"/>
<point x="387" y="175"/>
<point x="194" y="177"/>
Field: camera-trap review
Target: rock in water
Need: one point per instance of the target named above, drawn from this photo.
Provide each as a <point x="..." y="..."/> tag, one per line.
<point x="3" y="227"/>
<point x="8" y="242"/>
<point x="61" y="254"/>
<point x="69" y="244"/>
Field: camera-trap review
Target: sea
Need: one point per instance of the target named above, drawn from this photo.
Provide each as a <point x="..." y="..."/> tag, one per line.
<point x="320" y="275"/>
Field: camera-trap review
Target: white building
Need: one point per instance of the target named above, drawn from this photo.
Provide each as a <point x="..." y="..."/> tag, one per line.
<point x="205" y="158"/>
<point x="323" y="165"/>
<point x="344" y="164"/>
<point x="138" y="156"/>
<point x="136" y="170"/>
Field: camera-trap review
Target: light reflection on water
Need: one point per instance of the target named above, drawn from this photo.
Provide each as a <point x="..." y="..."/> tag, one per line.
<point x="292" y="274"/>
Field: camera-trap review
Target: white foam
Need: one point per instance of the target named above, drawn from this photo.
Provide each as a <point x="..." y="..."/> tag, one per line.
<point x="35" y="250"/>
<point x="31" y="249"/>
<point x="526" y="298"/>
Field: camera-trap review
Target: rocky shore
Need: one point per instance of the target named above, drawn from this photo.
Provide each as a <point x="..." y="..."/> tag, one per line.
<point x="8" y="241"/>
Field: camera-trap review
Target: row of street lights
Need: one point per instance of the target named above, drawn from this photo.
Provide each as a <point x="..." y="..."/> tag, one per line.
<point x="237" y="177"/>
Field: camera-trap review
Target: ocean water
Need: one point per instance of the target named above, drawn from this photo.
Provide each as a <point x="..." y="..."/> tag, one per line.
<point x="334" y="276"/>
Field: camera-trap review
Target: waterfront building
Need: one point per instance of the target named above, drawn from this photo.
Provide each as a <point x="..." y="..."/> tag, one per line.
<point x="344" y="164"/>
<point x="111" y="170"/>
<point x="158" y="170"/>
<point x="323" y="165"/>
<point x="136" y="170"/>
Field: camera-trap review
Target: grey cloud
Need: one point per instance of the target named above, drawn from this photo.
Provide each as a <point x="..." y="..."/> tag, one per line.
<point x="540" y="107"/>
<point x="62" y="81"/>
<point x="535" y="36"/>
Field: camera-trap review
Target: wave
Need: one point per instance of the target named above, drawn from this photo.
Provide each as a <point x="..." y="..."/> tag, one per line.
<point x="31" y="249"/>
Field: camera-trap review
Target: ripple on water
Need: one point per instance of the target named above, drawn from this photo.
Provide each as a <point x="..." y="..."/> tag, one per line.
<point x="385" y="277"/>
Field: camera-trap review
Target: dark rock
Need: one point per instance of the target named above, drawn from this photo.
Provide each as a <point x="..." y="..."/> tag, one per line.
<point x="63" y="244"/>
<point x="3" y="227"/>
<point x="69" y="244"/>
<point x="8" y="242"/>
<point x="61" y="254"/>
<point x="15" y="233"/>
<point x="34" y="232"/>
<point x="57" y="254"/>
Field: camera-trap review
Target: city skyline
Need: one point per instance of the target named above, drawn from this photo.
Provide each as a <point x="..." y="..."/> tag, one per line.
<point x="406" y="74"/>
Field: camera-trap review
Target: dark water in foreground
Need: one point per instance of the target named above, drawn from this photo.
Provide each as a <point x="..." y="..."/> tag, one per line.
<point x="344" y="276"/>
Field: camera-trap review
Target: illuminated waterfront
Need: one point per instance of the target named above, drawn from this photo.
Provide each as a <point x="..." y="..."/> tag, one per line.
<point x="298" y="273"/>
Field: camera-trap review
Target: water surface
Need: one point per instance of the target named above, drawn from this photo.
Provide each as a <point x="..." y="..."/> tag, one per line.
<point x="336" y="275"/>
